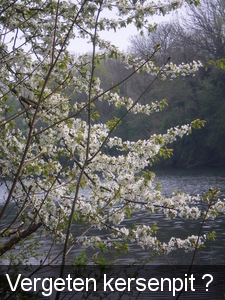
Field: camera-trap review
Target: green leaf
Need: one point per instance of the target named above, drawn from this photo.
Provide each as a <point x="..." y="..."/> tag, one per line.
<point x="112" y="124"/>
<point x="211" y="236"/>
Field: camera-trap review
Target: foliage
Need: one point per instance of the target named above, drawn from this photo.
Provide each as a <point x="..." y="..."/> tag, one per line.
<point x="59" y="152"/>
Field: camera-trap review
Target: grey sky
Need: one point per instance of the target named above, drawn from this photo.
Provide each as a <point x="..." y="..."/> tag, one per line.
<point x="120" y="38"/>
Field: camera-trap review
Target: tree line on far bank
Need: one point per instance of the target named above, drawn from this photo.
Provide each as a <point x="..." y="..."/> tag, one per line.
<point x="201" y="96"/>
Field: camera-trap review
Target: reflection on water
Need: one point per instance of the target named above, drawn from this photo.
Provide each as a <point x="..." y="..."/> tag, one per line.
<point x="192" y="181"/>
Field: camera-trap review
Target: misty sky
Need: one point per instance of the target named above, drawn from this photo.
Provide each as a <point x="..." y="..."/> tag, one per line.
<point x="120" y="38"/>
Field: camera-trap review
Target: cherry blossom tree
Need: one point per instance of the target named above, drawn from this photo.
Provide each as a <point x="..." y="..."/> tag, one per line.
<point x="51" y="147"/>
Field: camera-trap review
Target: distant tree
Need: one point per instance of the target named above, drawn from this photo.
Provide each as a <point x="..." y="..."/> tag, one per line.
<point x="166" y="34"/>
<point x="198" y="33"/>
<point x="204" y="29"/>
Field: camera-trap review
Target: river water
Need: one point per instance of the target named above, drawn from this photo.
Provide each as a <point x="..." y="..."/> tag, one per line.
<point x="192" y="181"/>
